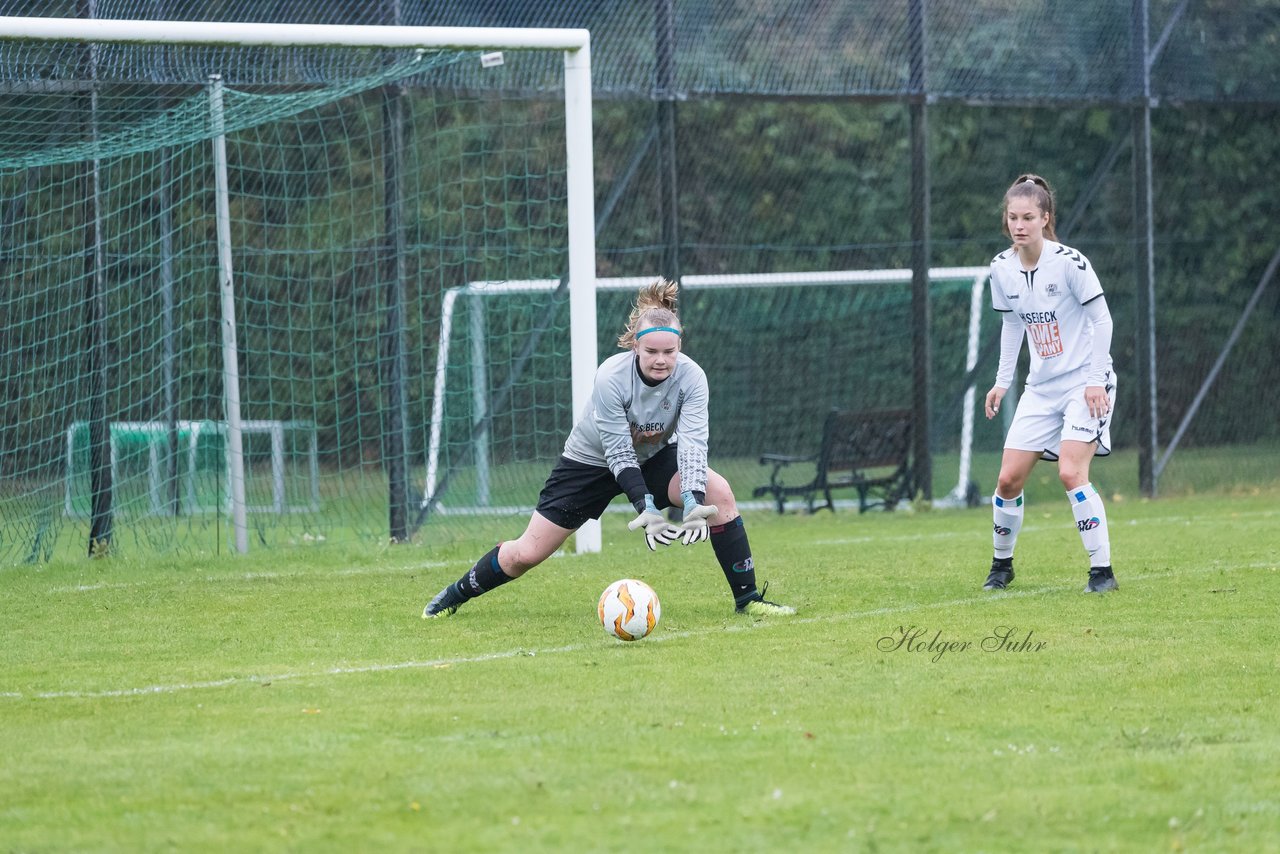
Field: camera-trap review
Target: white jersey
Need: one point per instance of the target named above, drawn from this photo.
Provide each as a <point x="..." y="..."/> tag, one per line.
<point x="627" y="420"/>
<point x="1050" y="301"/>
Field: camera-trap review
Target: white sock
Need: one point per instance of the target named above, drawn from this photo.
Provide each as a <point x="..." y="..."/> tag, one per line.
<point x="1006" y="515"/>
<point x="1091" y="521"/>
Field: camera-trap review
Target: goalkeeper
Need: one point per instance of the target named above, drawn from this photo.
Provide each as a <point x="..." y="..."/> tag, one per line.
<point x="643" y="434"/>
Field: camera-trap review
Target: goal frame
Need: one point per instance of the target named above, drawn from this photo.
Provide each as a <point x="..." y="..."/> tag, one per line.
<point x="958" y="496"/>
<point x="576" y="47"/>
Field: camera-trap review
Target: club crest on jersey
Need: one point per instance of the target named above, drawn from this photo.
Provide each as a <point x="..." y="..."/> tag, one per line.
<point x="666" y="405"/>
<point x="1051" y="290"/>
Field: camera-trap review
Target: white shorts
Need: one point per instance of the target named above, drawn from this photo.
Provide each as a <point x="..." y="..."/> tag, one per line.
<point x="1042" y="421"/>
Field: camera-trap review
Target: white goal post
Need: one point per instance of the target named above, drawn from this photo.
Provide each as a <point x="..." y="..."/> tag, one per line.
<point x="584" y="360"/>
<point x="575" y="45"/>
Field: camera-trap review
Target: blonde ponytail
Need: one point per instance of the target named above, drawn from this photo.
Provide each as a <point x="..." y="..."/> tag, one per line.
<point x="655" y="307"/>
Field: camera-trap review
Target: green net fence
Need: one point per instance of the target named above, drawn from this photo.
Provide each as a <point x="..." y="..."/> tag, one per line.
<point x="976" y="51"/>
<point x="789" y="153"/>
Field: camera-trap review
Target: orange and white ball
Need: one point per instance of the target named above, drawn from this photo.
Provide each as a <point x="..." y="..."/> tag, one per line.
<point x="629" y="609"/>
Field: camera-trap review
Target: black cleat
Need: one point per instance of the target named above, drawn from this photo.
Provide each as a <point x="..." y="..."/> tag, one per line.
<point x="445" y="604"/>
<point x="1001" y="575"/>
<point x="1101" y="579"/>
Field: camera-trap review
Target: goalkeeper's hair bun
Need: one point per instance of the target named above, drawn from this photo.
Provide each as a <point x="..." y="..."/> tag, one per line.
<point x="655" y="306"/>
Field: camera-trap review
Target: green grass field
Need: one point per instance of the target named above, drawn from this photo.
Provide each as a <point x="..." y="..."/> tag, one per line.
<point x="295" y="700"/>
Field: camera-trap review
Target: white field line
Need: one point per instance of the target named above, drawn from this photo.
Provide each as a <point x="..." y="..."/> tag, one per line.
<point x="244" y="576"/>
<point x="985" y="598"/>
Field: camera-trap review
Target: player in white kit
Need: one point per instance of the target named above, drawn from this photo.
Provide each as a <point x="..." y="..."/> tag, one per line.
<point x="1049" y="294"/>
<point x="642" y="434"/>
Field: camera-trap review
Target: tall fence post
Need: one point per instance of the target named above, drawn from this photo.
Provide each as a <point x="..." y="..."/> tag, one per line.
<point x="921" y="312"/>
<point x="1144" y="257"/>
<point x="101" y="471"/>
<point x="668" y="173"/>
<point x="395" y="274"/>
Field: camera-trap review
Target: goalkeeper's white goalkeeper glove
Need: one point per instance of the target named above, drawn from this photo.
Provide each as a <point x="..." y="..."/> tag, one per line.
<point x="694" y="528"/>
<point x="657" y="530"/>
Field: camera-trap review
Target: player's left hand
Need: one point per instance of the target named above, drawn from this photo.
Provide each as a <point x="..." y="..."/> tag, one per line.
<point x="694" y="527"/>
<point x="1095" y="397"/>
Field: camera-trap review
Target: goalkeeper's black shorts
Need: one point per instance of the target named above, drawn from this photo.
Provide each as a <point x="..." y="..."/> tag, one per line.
<point x="575" y="492"/>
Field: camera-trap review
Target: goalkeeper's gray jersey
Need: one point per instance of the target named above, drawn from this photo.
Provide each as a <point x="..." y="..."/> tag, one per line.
<point x="628" y="421"/>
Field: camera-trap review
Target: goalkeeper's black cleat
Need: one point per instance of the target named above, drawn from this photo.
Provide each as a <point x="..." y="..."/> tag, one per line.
<point x="758" y="606"/>
<point x="1001" y="575"/>
<point x="1101" y="579"/>
<point x="445" y="604"/>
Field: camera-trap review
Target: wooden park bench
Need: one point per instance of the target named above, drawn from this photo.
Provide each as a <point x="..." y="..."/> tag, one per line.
<point x="867" y="451"/>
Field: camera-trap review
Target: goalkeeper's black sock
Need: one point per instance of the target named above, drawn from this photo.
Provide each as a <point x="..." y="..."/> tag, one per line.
<point x="729" y="542"/>
<point x="480" y="579"/>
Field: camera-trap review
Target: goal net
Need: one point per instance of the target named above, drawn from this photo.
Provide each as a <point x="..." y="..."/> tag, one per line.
<point x="223" y="250"/>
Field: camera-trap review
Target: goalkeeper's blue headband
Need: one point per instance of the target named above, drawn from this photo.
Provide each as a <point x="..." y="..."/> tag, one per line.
<point x="657" y="329"/>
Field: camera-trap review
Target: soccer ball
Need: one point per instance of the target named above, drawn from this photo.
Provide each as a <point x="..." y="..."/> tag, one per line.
<point x="629" y="609"/>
